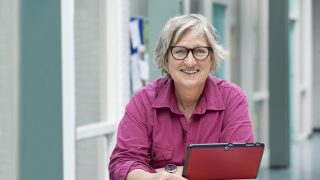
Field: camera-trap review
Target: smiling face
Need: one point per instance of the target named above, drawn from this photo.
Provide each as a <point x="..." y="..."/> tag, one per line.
<point x="189" y="73"/>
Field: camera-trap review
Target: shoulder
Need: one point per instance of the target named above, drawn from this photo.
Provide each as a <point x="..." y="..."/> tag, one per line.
<point x="227" y="89"/>
<point x="150" y="92"/>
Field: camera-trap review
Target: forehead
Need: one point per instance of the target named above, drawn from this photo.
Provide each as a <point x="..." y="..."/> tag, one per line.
<point x="191" y="35"/>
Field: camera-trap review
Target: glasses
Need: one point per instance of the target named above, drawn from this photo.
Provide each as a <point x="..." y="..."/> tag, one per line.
<point x="199" y="53"/>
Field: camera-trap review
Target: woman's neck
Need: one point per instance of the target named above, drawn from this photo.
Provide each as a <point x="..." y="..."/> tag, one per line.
<point x="187" y="99"/>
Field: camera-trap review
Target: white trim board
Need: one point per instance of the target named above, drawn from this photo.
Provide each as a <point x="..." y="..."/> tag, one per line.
<point x="68" y="89"/>
<point x="96" y="130"/>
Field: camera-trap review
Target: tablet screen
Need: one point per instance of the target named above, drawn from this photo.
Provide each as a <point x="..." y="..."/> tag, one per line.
<point x="223" y="161"/>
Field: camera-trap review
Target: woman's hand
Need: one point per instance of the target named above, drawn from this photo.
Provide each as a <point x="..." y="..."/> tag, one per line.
<point x="163" y="175"/>
<point x="168" y="176"/>
<point x="160" y="175"/>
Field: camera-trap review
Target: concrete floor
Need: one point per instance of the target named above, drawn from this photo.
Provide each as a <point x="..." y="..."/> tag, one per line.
<point x="305" y="162"/>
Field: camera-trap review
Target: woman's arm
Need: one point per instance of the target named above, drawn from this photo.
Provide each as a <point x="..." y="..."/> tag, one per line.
<point x="237" y="125"/>
<point x="132" y="150"/>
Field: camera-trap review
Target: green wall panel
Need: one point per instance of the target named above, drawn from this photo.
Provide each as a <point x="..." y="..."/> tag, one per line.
<point x="40" y="91"/>
<point x="279" y="84"/>
<point x="159" y="12"/>
<point x="219" y="18"/>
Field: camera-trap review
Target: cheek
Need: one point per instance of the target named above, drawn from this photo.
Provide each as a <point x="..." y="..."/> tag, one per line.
<point x="207" y="66"/>
<point x="170" y="66"/>
<point x="210" y="66"/>
<point x="166" y="68"/>
<point x="167" y="64"/>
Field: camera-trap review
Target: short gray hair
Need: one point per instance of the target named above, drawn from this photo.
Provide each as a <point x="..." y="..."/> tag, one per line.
<point x="175" y="27"/>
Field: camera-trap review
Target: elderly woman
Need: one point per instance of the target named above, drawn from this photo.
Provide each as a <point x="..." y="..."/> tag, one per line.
<point x="187" y="106"/>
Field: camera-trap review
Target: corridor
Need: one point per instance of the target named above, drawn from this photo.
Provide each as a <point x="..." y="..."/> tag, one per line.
<point x="305" y="162"/>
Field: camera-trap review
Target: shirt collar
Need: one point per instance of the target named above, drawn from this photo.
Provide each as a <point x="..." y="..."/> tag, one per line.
<point x="166" y="97"/>
<point x="209" y="100"/>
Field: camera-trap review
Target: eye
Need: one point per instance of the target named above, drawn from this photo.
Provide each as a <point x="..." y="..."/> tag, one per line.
<point x="200" y="50"/>
<point x="179" y="50"/>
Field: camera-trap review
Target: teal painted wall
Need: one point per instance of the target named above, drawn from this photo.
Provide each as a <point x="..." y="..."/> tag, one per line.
<point x="218" y="18"/>
<point x="279" y="100"/>
<point x="159" y="13"/>
<point x="291" y="44"/>
<point x="40" y="91"/>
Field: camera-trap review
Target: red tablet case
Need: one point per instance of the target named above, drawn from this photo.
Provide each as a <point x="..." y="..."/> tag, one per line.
<point x="223" y="161"/>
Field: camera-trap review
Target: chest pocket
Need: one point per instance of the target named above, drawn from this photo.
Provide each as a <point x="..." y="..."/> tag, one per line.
<point x="160" y="156"/>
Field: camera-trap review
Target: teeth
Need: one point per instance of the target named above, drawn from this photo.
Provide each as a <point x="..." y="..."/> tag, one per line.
<point x="190" y="71"/>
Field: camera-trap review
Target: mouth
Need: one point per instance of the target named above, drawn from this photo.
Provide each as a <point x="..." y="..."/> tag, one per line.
<point x="189" y="72"/>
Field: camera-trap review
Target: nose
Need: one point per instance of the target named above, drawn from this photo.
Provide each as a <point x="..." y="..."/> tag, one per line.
<point x="190" y="60"/>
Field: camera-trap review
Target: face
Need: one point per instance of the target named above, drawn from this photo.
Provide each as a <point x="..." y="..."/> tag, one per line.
<point x="189" y="73"/>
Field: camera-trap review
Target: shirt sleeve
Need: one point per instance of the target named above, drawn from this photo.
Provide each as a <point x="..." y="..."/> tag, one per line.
<point x="132" y="150"/>
<point x="237" y="125"/>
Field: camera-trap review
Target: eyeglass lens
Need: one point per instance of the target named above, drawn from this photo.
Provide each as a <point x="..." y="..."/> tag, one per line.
<point x="199" y="53"/>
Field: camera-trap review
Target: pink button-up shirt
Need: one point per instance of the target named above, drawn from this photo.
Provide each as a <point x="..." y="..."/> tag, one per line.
<point x="154" y="132"/>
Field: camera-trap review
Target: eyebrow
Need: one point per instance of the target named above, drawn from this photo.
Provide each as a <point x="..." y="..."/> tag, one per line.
<point x="191" y="47"/>
<point x="197" y="44"/>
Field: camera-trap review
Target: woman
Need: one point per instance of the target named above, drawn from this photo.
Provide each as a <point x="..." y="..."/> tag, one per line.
<point x="187" y="106"/>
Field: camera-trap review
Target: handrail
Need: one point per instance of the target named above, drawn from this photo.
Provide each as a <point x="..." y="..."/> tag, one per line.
<point x="95" y="130"/>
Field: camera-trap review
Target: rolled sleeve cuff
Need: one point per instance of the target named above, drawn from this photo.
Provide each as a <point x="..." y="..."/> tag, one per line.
<point x="137" y="165"/>
<point x="127" y="167"/>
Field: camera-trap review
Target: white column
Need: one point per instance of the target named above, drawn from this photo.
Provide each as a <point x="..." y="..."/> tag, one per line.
<point x="306" y="58"/>
<point x="68" y="89"/>
<point x="246" y="47"/>
<point x="117" y="61"/>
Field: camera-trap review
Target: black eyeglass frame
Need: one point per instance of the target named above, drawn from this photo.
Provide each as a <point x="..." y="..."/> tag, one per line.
<point x="192" y="50"/>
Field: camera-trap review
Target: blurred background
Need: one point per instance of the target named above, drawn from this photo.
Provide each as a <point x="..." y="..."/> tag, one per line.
<point x="68" y="68"/>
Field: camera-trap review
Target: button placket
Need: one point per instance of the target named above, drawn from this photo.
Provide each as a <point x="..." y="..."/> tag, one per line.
<point x="188" y="138"/>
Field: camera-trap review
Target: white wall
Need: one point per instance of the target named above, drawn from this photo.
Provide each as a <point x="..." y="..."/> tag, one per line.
<point x="306" y="59"/>
<point x="117" y="69"/>
<point x="139" y="8"/>
<point x="8" y="89"/>
<point x="301" y="15"/>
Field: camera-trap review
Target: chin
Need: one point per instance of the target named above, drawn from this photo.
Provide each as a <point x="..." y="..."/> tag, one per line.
<point x="189" y="82"/>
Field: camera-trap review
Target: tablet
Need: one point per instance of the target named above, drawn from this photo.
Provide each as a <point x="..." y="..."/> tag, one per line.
<point x="223" y="161"/>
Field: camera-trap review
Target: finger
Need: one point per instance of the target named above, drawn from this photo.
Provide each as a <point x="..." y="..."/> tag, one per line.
<point x="176" y="177"/>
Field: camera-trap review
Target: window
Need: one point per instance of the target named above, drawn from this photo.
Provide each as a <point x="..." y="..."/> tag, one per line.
<point x="95" y="83"/>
